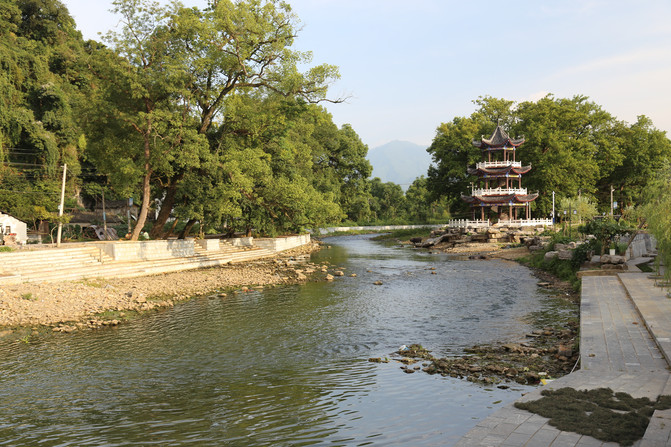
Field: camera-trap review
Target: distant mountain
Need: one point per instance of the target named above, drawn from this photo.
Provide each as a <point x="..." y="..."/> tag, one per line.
<point x="399" y="162"/>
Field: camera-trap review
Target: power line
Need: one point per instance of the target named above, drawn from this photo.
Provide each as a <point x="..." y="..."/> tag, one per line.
<point x="29" y="192"/>
<point x="8" y="163"/>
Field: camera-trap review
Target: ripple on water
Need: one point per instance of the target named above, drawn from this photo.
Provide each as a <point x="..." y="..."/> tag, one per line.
<point x="285" y="366"/>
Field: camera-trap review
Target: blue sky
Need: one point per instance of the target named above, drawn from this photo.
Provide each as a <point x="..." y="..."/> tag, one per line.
<point x="409" y="66"/>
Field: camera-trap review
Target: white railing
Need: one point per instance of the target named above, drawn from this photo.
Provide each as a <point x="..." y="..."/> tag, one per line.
<point x="498" y="191"/>
<point x="525" y="222"/>
<point x="464" y="223"/>
<point x="498" y="164"/>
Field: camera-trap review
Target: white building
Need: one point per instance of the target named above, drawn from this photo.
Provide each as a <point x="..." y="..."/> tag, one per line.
<point x="12" y="225"/>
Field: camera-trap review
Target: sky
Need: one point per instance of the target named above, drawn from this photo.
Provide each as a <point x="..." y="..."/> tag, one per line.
<point x="408" y="66"/>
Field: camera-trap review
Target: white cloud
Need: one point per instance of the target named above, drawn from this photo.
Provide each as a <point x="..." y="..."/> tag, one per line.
<point x="626" y="61"/>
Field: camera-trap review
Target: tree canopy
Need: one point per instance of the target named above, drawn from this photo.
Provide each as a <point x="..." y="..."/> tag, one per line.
<point x="575" y="149"/>
<point x="209" y="119"/>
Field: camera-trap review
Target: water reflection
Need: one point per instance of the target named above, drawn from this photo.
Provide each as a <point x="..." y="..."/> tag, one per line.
<point x="285" y="366"/>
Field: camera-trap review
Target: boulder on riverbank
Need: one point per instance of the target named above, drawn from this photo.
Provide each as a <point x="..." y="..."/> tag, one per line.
<point x="479" y="239"/>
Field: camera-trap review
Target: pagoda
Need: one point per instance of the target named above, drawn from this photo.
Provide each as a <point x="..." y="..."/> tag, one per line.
<point x="499" y="185"/>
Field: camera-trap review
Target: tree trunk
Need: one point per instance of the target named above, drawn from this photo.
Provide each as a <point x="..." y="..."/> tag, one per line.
<point x="172" y="228"/>
<point x="163" y="215"/>
<point x="146" y="186"/>
<point x="187" y="228"/>
<point x="144" y="209"/>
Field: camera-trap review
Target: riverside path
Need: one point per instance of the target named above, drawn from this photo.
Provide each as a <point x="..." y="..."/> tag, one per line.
<point x="625" y="345"/>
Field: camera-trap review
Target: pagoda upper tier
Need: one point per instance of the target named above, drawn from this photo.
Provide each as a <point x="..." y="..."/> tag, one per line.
<point x="499" y="140"/>
<point x="499" y="169"/>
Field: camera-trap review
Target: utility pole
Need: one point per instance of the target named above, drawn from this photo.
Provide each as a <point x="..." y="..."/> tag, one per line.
<point x="60" y="208"/>
<point x="130" y="203"/>
<point x="104" y="216"/>
<point x="553" y="207"/>
<point x="612" y="213"/>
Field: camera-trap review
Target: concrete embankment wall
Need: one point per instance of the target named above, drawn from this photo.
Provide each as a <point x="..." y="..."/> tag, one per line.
<point x="181" y="248"/>
<point x="148" y="250"/>
<point x="282" y="243"/>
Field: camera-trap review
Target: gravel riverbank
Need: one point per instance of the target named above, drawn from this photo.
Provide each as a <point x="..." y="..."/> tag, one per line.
<point x="52" y="304"/>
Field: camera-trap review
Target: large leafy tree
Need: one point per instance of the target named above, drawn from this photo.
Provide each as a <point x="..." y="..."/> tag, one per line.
<point x="41" y="86"/>
<point x="570" y="145"/>
<point x="453" y="152"/>
<point x="286" y="165"/>
<point x="643" y="150"/>
<point x="236" y="47"/>
<point x="574" y="146"/>
<point x="388" y="203"/>
<point x="176" y="67"/>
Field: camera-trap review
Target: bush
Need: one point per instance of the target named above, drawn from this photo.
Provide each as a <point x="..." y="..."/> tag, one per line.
<point x="605" y="230"/>
<point x="580" y="254"/>
<point x="562" y="269"/>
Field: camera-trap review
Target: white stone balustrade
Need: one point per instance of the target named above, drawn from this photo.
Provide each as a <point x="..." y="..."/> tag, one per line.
<point x="498" y="191"/>
<point x="498" y="164"/>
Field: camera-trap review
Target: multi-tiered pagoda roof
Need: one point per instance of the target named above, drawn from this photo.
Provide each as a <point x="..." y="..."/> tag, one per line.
<point x="497" y="176"/>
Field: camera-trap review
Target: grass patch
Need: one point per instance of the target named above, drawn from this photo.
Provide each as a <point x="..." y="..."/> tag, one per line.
<point x="29" y="297"/>
<point x="98" y="283"/>
<point x="599" y="413"/>
<point x="5" y="249"/>
<point x="645" y="267"/>
<point x="122" y="315"/>
<point x="563" y="269"/>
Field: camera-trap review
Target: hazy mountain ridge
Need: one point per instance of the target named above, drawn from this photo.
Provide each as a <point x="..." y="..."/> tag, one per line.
<point x="399" y="162"/>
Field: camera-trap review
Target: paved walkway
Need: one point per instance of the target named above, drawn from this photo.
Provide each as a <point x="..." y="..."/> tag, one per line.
<point x="625" y="345"/>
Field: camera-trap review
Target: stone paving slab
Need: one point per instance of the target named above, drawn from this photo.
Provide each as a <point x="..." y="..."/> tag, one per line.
<point x="654" y="307"/>
<point x="612" y="334"/>
<point x="658" y="433"/>
<point x="617" y="352"/>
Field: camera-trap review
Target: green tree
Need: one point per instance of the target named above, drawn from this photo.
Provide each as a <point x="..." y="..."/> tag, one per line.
<point x="40" y="90"/>
<point x="573" y="145"/>
<point x="567" y="141"/>
<point x="236" y="47"/>
<point x="576" y="209"/>
<point x="388" y="203"/>
<point x="421" y="208"/>
<point x="146" y="131"/>
<point x="657" y="212"/>
<point x="644" y="150"/>
<point x="452" y="154"/>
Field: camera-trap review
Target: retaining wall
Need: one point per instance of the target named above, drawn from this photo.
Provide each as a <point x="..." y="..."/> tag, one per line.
<point x="239" y="241"/>
<point x="282" y="243"/>
<point x="209" y="244"/>
<point x="149" y="250"/>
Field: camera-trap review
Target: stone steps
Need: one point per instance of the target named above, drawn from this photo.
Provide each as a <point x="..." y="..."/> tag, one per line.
<point x="82" y="268"/>
<point x="24" y="262"/>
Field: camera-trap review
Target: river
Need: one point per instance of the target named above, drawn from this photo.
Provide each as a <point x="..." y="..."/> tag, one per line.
<point x="283" y="366"/>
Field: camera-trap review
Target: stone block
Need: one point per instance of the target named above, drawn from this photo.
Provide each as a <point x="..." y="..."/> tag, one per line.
<point x="565" y="254"/>
<point x="617" y="259"/>
<point x="550" y="255"/>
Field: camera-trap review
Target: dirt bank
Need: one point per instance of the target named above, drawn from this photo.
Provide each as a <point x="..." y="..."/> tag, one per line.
<point x="83" y="302"/>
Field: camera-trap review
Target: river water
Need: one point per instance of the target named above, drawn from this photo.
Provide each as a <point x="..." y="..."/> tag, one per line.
<point x="284" y="366"/>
